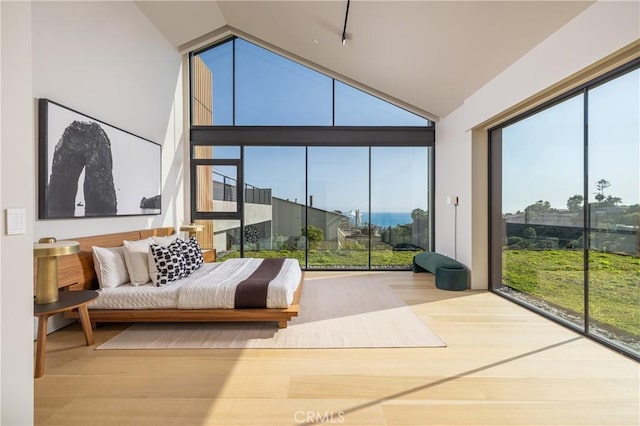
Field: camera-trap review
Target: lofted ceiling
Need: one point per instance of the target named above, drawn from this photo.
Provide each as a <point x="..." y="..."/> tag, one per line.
<point x="427" y="55"/>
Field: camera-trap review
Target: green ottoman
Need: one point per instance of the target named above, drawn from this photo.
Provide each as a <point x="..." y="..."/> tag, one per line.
<point x="450" y="274"/>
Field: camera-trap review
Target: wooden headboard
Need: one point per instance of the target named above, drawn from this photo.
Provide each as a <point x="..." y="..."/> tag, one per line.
<point x="76" y="271"/>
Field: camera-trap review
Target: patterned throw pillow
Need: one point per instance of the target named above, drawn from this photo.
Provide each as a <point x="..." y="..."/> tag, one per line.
<point x="192" y="254"/>
<point x="170" y="262"/>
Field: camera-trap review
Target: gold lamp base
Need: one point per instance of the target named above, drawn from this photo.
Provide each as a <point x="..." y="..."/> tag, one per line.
<point x="192" y="229"/>
<point x="47" y="282"/>
<point x="47" y="251"/>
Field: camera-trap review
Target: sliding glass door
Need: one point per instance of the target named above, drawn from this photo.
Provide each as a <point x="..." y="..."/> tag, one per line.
<point x="614" y="218"/>
<point x="542" y="211"/>
<point x="565" y="209"/>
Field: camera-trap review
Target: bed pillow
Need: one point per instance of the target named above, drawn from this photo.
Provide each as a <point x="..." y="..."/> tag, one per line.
<point x="136" y="254"/>
<point x="110" y="266"/>
<point x="165" y="241"/>
<point x="169" y="263"/>
<point x="192" y="254"/>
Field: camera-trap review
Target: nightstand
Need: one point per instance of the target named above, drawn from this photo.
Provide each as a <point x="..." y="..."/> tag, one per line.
<point x="67" y="300"/>
<point x="209" y="255"/>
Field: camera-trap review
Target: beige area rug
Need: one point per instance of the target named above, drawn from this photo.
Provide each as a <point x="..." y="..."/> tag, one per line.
<point x="338" y="312"/>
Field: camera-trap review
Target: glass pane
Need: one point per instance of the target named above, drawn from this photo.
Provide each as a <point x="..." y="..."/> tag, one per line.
<point x="274" y="91"/>
<point x="400" y="218"/>
<point x="217" y="189"/>
<point x="542" y="210"/>
<point x="357" y="108"/>
<point x="212" y="86"/>
<point x="614" y="193"/>
<point x="222" y="152"/>
<point x="221" y="235"/>
<point x="274" y="202"/>
<point x="338" y="182"/>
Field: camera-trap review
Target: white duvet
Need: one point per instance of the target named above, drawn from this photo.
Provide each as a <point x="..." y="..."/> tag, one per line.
<point x="210" y="287"/>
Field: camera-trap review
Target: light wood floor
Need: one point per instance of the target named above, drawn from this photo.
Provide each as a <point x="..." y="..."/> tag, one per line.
<point x="503" y="366"/>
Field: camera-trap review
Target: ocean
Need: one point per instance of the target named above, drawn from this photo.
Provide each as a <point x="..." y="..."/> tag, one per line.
<point x="386" y="219"/>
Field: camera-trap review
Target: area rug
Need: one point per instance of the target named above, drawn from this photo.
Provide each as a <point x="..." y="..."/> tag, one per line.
<point x="338" y="312"/>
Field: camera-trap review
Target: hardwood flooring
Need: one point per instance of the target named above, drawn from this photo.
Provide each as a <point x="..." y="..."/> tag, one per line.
<point x="503" y="365"/>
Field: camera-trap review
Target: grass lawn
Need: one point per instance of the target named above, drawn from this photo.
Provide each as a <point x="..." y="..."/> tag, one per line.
<point x="556" y="276"/>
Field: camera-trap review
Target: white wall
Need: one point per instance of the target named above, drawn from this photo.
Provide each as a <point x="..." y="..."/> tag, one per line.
<point x="106" y="60"/>
<point x="101" y="58"/>
<point x="599" y="31"/>
<point x="17" y="171"/>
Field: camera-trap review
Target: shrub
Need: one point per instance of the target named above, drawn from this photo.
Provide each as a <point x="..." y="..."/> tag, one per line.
<point x="515" y="242"/>
<point x="314" y="236"/>
<point x="352" y="245"/>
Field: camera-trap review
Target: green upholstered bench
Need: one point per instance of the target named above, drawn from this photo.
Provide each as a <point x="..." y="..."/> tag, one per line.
<point x="450" y="274"/>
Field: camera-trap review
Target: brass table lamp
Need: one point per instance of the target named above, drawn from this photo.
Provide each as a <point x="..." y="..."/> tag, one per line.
<point x="47" y="251"/>
<point x="192" y="229"/>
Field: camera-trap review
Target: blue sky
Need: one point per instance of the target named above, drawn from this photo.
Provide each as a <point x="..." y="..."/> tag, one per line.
<point x="339" y="176"/>
<point x="272" y="90"/>
<point x="543" y="155"/>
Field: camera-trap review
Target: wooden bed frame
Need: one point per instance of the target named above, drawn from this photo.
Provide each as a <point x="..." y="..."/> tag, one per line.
<point x="76" y="272"/>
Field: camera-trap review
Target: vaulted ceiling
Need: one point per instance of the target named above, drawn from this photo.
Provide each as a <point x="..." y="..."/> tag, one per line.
<point x="428" y="55"/>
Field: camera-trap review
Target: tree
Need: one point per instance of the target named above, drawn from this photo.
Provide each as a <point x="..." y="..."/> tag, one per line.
<point x="612" y="201"/>
<point x="251" y="234"/>
<point x="418" y="214"/>
<point x="539" y="207"/>
<point x="529" y="233"/>
<point x="574" y="204"/>
<point x="420" y="228"/>
<point x="601" y="185"/>
<point x="537" y="210"/>
<point x="314" y="236"/>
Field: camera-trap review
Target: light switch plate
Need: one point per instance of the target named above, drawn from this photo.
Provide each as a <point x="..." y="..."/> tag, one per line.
<point x="15" y="221"/>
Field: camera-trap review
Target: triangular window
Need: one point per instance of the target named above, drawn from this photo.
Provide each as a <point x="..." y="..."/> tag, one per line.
<point x="237" y="83"/>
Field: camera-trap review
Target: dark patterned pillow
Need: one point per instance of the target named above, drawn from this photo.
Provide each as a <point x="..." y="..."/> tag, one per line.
<point x="170" y="262"/>
<point x="192" y="254"/>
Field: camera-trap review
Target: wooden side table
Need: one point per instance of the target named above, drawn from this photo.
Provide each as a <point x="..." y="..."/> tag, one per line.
<point x="209" y="255"/>
<point x="67" y="301"/>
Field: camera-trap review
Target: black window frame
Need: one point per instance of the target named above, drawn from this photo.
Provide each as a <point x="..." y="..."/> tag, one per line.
<point x="301" y="136"/>
<point x="494" y="136"/>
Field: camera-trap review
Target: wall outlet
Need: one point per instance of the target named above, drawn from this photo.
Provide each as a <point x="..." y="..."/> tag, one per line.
<point x="452" y="199"/>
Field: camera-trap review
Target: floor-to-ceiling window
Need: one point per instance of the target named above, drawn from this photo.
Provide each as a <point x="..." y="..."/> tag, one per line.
<point x="338" y="185"/>
<point x="614" y="210"/>
<point x="320" y="170"/>
<point x="565" y="221"/>
<point x="274" y="201"/>
<point x="399" y="219"/>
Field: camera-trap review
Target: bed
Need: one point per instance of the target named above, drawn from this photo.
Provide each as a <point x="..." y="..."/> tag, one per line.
<point x="172" y="303"/>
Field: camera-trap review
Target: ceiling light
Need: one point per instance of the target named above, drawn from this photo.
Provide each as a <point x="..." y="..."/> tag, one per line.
<point x="344" y="29"/>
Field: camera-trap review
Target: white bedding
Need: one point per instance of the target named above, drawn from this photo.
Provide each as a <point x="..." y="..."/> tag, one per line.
<point x="210" y="287"/>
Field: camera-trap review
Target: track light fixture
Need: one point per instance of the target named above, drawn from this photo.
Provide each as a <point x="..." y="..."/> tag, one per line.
<point x="344" y="29"/>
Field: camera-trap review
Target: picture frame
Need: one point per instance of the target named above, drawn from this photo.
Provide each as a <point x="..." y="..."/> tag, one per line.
<point x="88" y="168"/>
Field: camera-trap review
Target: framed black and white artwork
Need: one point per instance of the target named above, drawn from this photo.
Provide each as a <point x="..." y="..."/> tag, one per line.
<point x="88" y="168"/>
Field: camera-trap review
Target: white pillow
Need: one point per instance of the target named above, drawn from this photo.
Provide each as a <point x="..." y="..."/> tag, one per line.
<point x="110" y="266"/>
<point x="136" y="255"/>
<point x="165" y="241"/>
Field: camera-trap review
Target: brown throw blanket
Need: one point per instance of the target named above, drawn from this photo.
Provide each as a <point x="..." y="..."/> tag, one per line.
<point x="252" y="292"/>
